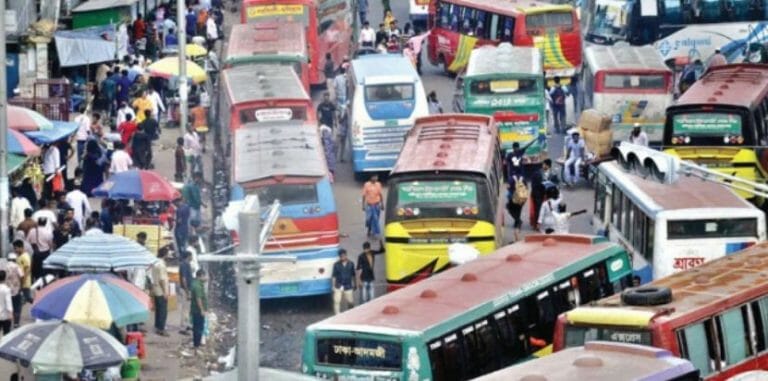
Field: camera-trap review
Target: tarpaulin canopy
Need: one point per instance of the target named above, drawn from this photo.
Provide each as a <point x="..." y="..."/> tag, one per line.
<point x="86" y="45"/>
<point x="60" y="130"/>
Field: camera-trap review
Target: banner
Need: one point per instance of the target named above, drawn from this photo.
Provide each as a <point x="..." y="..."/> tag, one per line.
<point x="466" y="44"/>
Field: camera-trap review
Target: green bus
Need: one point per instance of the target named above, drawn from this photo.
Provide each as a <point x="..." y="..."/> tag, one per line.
<point x="470" y="320"/>
<point x="508" y="83"/>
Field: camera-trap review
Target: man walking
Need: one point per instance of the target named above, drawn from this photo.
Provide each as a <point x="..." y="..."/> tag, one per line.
<point x="343" y="281"/>
<point x="326" y="111"/>
<point x="141" y="148"/>
<point x="185" y="288"/>
<point x="542" y="180"/>
<point x="365" y="271"/>
<point x="340" y="87"/>
<point x="557" y="95"/>
<point x="13" y="280"/>
<point x="329" y="70"/>
<point x="191" y="194"/>
<point x="25" y="265"/>
<point x="181" y="224"/>
<point x="83" y="131"/>
<point x="194" y="151"/>
<point x="6" y="305"/>
<point x="198" y="308"/>
<point x="373" y="203"/>
<point x="362" y="9"/>
<point x="160" y="292"/>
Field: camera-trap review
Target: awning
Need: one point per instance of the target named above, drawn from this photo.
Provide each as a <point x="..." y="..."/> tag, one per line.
<point x="95" y="5"/>
<point x="86" y="45"/>
<point x="60" y="130"/>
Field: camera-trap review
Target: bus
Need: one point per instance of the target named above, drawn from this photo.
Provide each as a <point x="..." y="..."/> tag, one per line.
<point x="632" y="84"/>
<point x="444" y="189"/>
<point x="308" y="225"/>
<point x="269" y="42"/>
<point x="471" y="320"/>
<point x="329" y="25"/>
<point x="602" y="361"/>
<point x="508" y="83"/>
<point x="715" y="315"/>
<point x="644" y="22"/>
<point x="721" y="121"/>
<point x="418" y="11"/>
<point x="457" y="26"/>
<point x="386" y="96"/>
<point x="672" y="227"/>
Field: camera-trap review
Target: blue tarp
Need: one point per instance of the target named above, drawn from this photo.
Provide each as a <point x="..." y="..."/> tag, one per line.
<point x="86" y="45"/>
<point x="59" y="131"/>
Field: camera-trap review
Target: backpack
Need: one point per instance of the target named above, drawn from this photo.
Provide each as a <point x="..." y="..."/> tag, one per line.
<point x="521" y="193"/>
<point x="558" y="96"/>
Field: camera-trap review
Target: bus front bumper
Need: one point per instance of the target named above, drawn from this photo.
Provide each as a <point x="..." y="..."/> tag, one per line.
<point x="309" y="275"/>
<point x="371" y="161"/>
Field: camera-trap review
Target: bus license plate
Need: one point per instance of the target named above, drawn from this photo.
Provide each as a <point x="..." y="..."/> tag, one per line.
<point x="289" y="287"/>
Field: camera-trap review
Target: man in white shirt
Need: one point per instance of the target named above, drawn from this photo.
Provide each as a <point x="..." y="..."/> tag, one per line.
<point x="638" y="136"/>
<point x="121" y="160"/>
<point x="123" y="111"/>
<point x="157" y="103"/>
<point x="83" y="130"/>
<point x="561" y="218"/>
<point x="78" y="201"/>
<point x="51" y="164"/>
<point x="194" y="151"/>
<point x="47" y="211"/>
<point x="211" y="32"/>
<point x="41" y="240"/>
<point x="367" y="35"/>
<point x="6" y="305"/>
<point x="18" y="206"/>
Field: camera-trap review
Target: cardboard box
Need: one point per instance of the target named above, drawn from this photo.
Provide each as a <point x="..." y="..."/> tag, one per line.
<point x="594" y="121"/>
<point x="599" y="143"/>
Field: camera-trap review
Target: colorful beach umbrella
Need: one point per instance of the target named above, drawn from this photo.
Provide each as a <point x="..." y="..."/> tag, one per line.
<point x="96" y="251"/>
<point x="97" y="300"/>
<point x="168" y="68"/>
<point x="20" y="144"/>
<point x="137" y="185"/>
<point x="24" y="119"/>
<point x="62" y="347"/>
<point x="195" y="50"/>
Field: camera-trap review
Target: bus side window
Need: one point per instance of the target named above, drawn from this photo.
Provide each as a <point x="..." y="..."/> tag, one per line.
<point x="616" y="206"/>
<point x="696" y="345"/>
<point x="507" y="28"/>
<point x="455" y="15"/>
<point x="541" y="318"/>
<point x="760" y="320"/>
<point x="468" y="20"/>
<point x="436" y="361"/>
<point x="444" y="10"/>
<point x="734" y="334"/>
<point x="513" y="341"/>
<point x="445" y="357"/>
<point x="482" y="351"/>
<point x="493" y="30"/>
<point x="481" y="26"/>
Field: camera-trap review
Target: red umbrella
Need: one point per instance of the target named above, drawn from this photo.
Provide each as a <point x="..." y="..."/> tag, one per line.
<point x="24" y="119"/>
<point x="137" y="185"/>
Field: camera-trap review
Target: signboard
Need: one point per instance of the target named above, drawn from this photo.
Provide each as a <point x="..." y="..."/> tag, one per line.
<point x="11" y="26"/>
<point x="273" y="114"/>
<point x="437" y="192"/>
<point x="278" y="12"/>
<point x="707" y="124"/>
<point x="505" y="86"/>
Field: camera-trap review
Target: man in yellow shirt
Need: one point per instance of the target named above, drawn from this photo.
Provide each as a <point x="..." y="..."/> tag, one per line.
<point x="25" y="264"/>
<point x="141" y="105"/>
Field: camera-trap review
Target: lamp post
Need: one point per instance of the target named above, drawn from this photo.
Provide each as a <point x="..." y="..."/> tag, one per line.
<point x="182" y="37"/>
<point x="4" y="183"/>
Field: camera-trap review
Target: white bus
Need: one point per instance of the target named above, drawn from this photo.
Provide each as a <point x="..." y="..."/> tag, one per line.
<point x="672" y="227"/>
<point x="418" y="11"/>
<point x="387" y="96"/>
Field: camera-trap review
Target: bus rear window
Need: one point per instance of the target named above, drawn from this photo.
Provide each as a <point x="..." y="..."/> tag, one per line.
<point x="635" y="82"/>
<point x="360" y="353"/>
<point x="288" y="194"/>
<point x="576" y="336"/>
<point x="389" y="93"/>
<point x="271" y="114"/>
<point x="505" y="86"/>
<point x="706" y="124"/>
<point x="722" y="228"/>
<point x="549" y="20"/>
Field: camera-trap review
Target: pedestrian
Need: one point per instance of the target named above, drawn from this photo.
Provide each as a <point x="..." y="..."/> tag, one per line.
<point x="185" y="288"/>
<point x="6" y="305"/>
<point x="150" y="125"/>
<point x="194" y="151"/>
<point x="160" y="291"/>
<point x="157" y="102"/>
<point x="557" y="95"/>
<point x="561" y="218"/>
<point x="542" y="180"/>
<point x="64" y="232"/>
<point x="329" y="70"/>
<point x="367" y="35"/>
<point x="326" y="111"/>
<point x="65" y="154"/>
<point x="191" y="194"/>
<point x="13" y="275"/>
<point x="141" y="149"/>
<point x="25" y="264"/>
<point x="202" y="17"/>
<point x="717" y="59"/>
<point x="78" y="201"/>
<point x="343" y="280"/>
<point x="181" y="224"/>
<point x="388" y="19"/>
<point x="393" y="45"/>
<point x="191" y="23"/>
<point x="408" y="31"/>
<point x="18" y="205"/>
<point x="362" y="9"/>
<point x="123" y="87"/>
<point x="108" y="90"/>
<point x="211" y="32"/>
<point x="83" y="131"/>
<point x="169" y="28"/>
<point x="329" y="146"/>
<point x="513" y="160"/>
<point x="365" y="271"/>
<point x="142" y="104"/>
<point x="126" y="129"/>
<point x="342" y="131"/>
<point x="517" y="195"/>
<point x="122" y="114"/>
<point x="340" y="87"/>
<point x="47" y="210"/>
<point x="576" y="155"/>
<point x="180" y="157"/>
<point x="394" y="30"/>
<point x="97" y="131"/>
<point x="381" y="35"/>
<point x="41" y="240"/>
<point x="199" y="116"/>
<point x="152" y="43"/>
<point x="51" y="170"/>
<point x="171" y="41"/>
<point x="121" y="161"/>
<point x="198" y="308"/>
<point x="94" y="165"/>
<point x="28" y="223"/>
<point x="548" y="209"/>
<point x="139" y="28"/>
<point x="373" y="204"/>
<point x="105" y="218"/>
<point x="638" y="136"/>
<point x="573" y="91"/>
<point x="434" y="105"/>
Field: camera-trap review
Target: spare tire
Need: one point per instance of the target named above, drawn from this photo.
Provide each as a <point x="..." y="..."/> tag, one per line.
<point x="647" y="296"/>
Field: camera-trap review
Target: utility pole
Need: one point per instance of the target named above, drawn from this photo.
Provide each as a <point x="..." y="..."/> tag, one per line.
<point x="4" y="183"/>
<point x="182" y="37"/>
<point x="253" y="237"/>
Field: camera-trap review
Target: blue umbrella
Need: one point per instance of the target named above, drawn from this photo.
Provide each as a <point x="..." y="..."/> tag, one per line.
<point x="96" y="251"/>
<point x="137" y="185"/>
<point x="60" y="130"/>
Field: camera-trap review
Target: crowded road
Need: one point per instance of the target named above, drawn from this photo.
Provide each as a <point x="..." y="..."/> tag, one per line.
<point x="283" y="321"/>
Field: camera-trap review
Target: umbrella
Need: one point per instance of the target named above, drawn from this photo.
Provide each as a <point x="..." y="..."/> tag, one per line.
<point x="96" y="251"/>
<point x="60" y="130"/>
<point x="169" y="67"/>
<point x="137" y="185"/>
<point x="24" y="119"/>
<point x="97" y="300"/>
<point x="62" y="347"/>
<point x="20" y="144"/>
<point x="195" y="50"/>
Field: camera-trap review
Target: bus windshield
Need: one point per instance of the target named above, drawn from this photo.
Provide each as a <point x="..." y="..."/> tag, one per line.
<point x="549" y="20"/>
<point x="631" y="82"/>
<point x="389" y="93"/>
<point x="708" y="128"/>
<point x="288" y="194"/>
<point x="360" y="353"/>
<point x="502" y="86"/>
<point x="277" y="12"/>
<point x="721" y="228"/>
<point x="576" y="336"/>
<point x="438" y="199"/>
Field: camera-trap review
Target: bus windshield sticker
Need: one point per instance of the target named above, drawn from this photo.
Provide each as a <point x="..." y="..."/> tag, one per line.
<point x="273" y="114"/>
<point x="462" y="192"/>
<point x="506" y="86"/>
<point x="707" y="124"/>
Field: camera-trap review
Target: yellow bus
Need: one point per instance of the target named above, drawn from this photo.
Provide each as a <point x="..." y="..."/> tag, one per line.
<point x="444" y="189"/>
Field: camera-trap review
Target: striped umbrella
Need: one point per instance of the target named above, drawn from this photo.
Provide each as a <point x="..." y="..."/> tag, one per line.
<point x="20" y="144"/>
<point x="99" y="252"/>
<point x="97" y="300"/>
<point x="137" y="184"/>
<point x="61" y="347"/>
<point x="24" y="119"/>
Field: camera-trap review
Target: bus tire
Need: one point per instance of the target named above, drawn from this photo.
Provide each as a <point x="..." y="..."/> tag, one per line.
<point x="647" y="296"/>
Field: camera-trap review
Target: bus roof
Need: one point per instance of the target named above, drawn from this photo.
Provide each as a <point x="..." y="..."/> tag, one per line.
<point x="685" y="193"/>
<point x="600" y="360"/>
<point x="505" y="59"/>
<point x="376" y="67"/>
<point x="739" y="85"/>
<point x="260" y="82"/>
<point x="735" y="277"/>
<point x="510" y="272"/>
<point x="266" y="41"/>
<point x="277" y="150"/>
<point x="507" y="7"/>
<point x="625" y="58"/>
<point x="448" y="142"/>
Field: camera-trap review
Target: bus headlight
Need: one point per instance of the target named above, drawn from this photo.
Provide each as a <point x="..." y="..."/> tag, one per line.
<point x="459" y="211"/>
<point x="416" y="211"/>
<point x="400" y="212"/>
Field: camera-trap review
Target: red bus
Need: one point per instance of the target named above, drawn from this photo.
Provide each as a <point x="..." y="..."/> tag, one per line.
<point x="270" y="42"/>
<point x="330" y="25"/>
<point x="457" y="26"/>
<point x="714" y="315"/>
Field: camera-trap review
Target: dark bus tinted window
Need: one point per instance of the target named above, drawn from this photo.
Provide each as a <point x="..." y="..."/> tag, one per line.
<point x="576" y="336"/>
<point x="737" y="227"/>
<point x="463" y="199"/>
<point x="288" y="194"/>
<point x="280" y="112"/>
<point x="549" y="20"/>
<point x="360" y="353"/>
